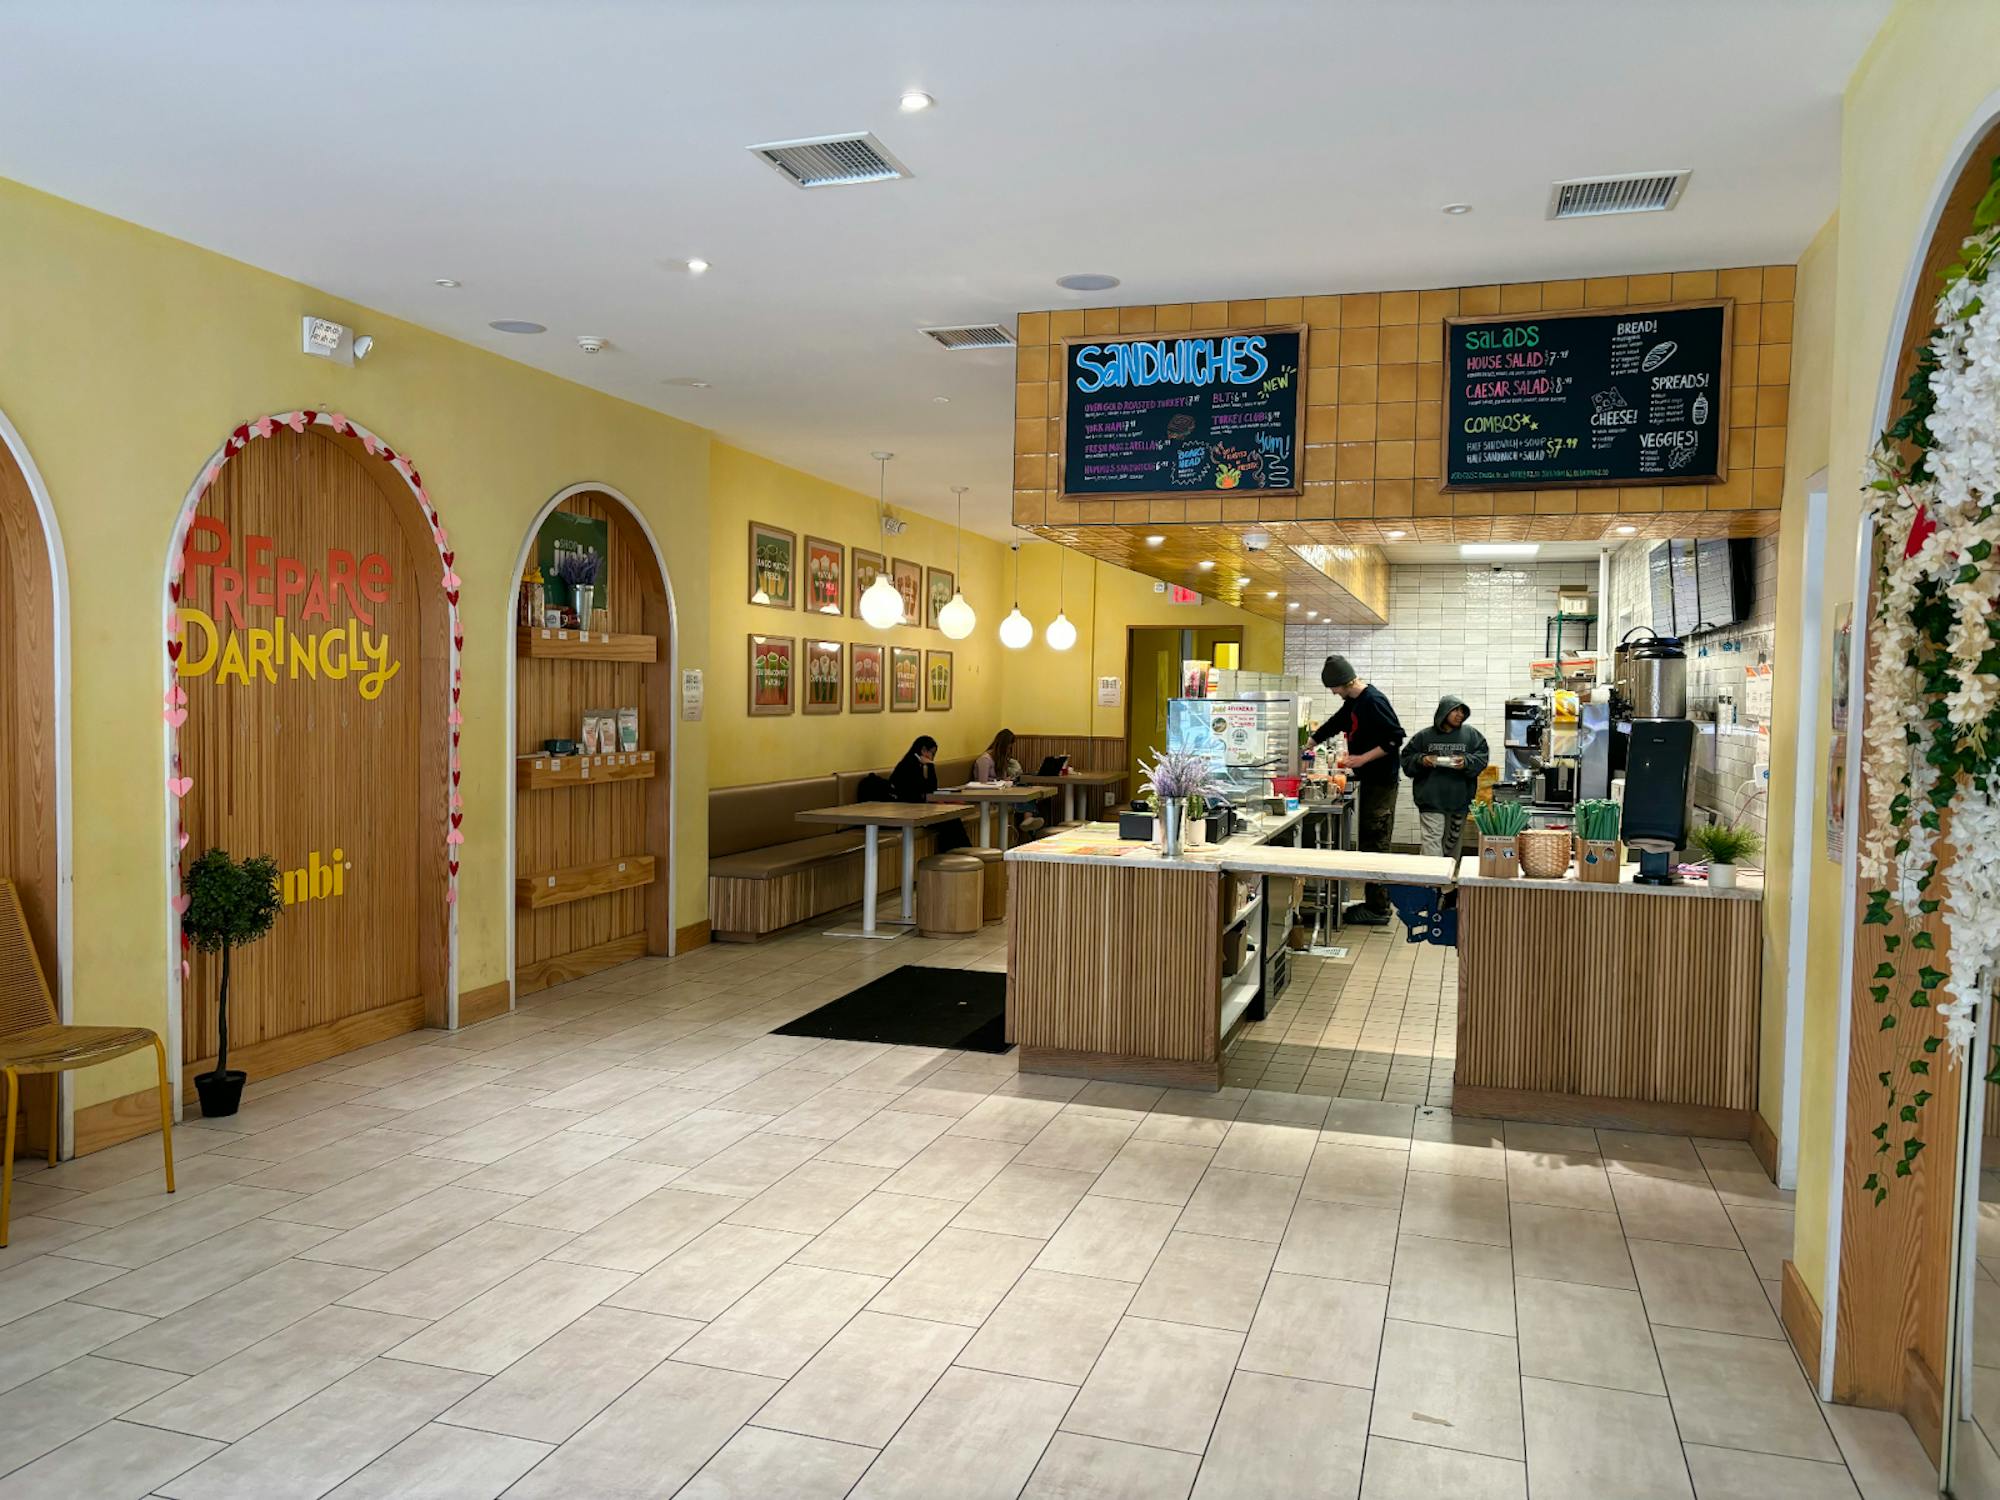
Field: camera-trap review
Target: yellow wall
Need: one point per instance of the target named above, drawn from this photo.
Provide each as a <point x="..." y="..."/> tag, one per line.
<point x="1928" y="80"/>
<point x="1055" y="692"/>
<point x="1805" y="457"/>
<point x="745" y="488"/>
<point x="129" y="357"/>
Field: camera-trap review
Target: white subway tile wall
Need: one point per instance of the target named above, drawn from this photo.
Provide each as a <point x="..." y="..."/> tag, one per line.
<point x="1464" y="628"/>
<point x="1734" y="746"/>
<point x="1472" y="629"/>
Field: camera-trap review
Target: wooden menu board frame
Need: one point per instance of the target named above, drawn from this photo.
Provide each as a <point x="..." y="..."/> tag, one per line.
<point x="1556" y="482"/>
<point x="1060" y="417"/>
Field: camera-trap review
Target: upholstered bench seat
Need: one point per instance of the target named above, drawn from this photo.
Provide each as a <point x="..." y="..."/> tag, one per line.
<point x="799" y="854"/>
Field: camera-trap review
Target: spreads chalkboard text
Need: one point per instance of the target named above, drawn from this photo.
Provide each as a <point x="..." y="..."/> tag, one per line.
<point x="1174" y="415"/>
<point x="1558" y="400"/>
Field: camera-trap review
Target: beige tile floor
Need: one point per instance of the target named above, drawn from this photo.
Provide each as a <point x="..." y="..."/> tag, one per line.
<point x="625" y="1243"/>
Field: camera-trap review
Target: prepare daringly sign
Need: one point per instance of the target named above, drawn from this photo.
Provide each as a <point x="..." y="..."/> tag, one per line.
<point x="219" y="640"/>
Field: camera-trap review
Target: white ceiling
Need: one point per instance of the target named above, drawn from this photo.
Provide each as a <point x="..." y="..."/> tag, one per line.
<point x="1447" y="552"/>
<point x="552" y="156"/>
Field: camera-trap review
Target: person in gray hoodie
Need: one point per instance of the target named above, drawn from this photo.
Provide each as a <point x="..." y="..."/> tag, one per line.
<point x="1443" y="763"/>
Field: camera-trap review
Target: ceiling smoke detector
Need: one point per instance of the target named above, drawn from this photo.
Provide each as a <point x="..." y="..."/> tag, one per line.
<point x="591" y="343"/>
<point x="1628" y="193"/>
<point x="832" y="160"/>
<point x="971" y="336"/>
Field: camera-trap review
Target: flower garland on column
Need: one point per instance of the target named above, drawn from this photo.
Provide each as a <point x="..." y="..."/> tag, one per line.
<point x="174" y="710"/>
<point x="1931" y="747"/>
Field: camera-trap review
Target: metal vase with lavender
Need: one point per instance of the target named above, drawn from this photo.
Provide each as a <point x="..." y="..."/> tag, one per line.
<point x="578" y="570"/>
<point x="1176" y="779"/>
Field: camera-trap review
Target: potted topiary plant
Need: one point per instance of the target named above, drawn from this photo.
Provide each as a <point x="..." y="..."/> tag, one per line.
<point x="1725" y="845"/>
<point x="230" y="903"/>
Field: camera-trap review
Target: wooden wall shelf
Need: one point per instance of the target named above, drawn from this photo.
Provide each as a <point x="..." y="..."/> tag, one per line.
<point x="541" y="773"/>
<point x="581" y="645"/>
<point x="559" y="887"/>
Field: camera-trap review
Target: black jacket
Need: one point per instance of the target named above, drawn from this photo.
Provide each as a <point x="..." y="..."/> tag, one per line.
<point x="1445" y="789"/>
<point x="912" y="780"/>
<point x="1367" y="721"/>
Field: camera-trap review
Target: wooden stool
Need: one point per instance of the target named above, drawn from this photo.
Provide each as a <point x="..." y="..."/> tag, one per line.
<point x="950" y="894"/>
<point x="995" y="905"/>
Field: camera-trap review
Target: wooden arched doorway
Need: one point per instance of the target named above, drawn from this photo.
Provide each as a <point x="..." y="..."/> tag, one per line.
<point x="313" y="605"/>
<point x="593" y="839"/>
<point x="1891" y="1330"/>
<point x="32" y="737"/>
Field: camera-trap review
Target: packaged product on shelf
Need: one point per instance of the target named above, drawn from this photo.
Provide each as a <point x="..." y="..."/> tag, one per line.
<point x="628" y="729"/>
<point x="607" y="731"/>
<point x="587" y="734"/>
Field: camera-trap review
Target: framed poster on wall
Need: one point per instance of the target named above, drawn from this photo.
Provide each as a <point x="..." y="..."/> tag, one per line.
<point x="823" y="685"/>
<point x="937" y="680"/>
<point x="773" y="566"/>
<point x="906" y="669"/>
<point x="939" y="586"/>
<point x="865" y="671"/>
<point x="909" y="580"/>
<point x="826" y="570"/>
<point x="868" y="566"/>
<point x="771" y="661"/>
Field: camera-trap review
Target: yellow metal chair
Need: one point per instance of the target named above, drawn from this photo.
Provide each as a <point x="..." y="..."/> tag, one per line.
<point x="33" y="1041"/>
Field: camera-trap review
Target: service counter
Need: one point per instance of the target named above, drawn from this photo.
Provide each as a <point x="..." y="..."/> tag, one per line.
<point x="1124" y="964"/>
<point x="1624" y="1006"/>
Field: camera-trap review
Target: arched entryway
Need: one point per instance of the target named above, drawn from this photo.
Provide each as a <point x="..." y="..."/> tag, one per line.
<point x="1897" y="1316"/>
<point x="592" y="834"/>
<point x="311" y="691"/>
<point x="34" y="739"/>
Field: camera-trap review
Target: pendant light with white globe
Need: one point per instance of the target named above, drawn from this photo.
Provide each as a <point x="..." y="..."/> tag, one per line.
<point x="1015" y="630"/>
<point x="956" y="619"/>
<point x="882" y="601"/>
<point x="1061" y="635"/>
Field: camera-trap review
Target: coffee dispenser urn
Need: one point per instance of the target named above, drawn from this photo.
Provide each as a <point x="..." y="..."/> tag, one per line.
<point x="1658" y="762"/>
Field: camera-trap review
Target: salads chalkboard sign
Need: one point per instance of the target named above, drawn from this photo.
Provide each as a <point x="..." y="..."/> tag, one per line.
<point x="1638" y="396"/>
<point x="1171" y="415"/>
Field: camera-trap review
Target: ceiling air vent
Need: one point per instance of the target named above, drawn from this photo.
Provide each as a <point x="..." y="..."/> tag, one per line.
<point x="977" y="336"/>
<point x="832" y="160"/>
<point x="1633" y="193"/>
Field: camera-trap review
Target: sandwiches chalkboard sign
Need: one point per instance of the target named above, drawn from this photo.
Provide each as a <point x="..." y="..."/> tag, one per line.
<point x="1637" y="396"/>
<point x="1171" y="415"/>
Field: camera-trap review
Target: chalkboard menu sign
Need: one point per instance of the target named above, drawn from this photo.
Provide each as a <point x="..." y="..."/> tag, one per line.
<point x="1179" y="414"/>
<point x="1564" y="400"/>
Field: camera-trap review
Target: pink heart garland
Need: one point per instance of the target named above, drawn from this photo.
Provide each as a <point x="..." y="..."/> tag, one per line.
<point x="457" y="818"/>
<point x="174" y="591"/>
<point x="186" y="968"/>
<point x="173" y="622"/>
<point x="452" y="595"/>
<point x="337" y="422"/>
<point x="181" y="903"/>
<point x="184" y="838"/>
<point x="178" y="695"/>
<point x="454" y="694"/>
<point x="454" y="867"/>
<point x="449" y="557"/>
<point x="454" y="837"/>
<point x="454" y="717"/>
<point x="173" y="650"/>
<point x="451" y="579"/>
<point x="176" y="716"/>
<point x="177" y="561"/>
<point x="180" y="786"/>
<point x="451" y="895"/>
<point x="457" y="801"/>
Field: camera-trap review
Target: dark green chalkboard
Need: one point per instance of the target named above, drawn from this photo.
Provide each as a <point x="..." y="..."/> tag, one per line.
<point x="1638" y="396"/>
<point x="1179" y="414"/>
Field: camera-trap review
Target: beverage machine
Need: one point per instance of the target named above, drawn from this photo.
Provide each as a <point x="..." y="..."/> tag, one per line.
<point x="1654" y="741"/>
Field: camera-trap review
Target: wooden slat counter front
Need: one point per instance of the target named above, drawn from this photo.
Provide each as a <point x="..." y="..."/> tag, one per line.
<point x="1114" y="953"/>
<point x="1623" y="1006"/>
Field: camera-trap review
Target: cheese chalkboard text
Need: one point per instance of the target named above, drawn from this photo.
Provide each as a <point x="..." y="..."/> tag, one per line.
<point x="1562" y="400"/>
<point x="1183" y="413"/>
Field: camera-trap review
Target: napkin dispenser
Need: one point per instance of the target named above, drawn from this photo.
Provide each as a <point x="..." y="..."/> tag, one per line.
<point x="1135" y="825"/>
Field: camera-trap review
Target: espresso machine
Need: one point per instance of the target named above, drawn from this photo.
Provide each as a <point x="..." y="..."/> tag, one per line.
<point x="1651" y="688"/>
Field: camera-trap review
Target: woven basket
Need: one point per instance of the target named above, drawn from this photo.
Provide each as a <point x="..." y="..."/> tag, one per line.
<point x="1544" y="852"/>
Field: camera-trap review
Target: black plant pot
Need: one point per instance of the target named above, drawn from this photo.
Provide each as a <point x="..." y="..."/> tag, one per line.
<point x="220" y="1093"/>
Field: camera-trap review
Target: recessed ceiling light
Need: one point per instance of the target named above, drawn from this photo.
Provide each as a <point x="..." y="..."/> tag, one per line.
<point x="1154" y="541"/>
<point x="1312" y="614"/>
<point x="517" y="325"/>
<point x="914" y="101"/>
<point x="1087" y="281"/>
<point x="1626" y="530"/>
<point x="696" y="266"/>
<point x="1204" y="565"/>
<point x="1488" y="550"/>
<point x="688" y="382"/>
<point x="1272" y="594"/>
<point x="1457" y="208"/>
<point x="942" y="400"/>
<point x="447" y="282"/>
<point x="1395" y="536"/>
<point x="1245" y="578"/>
<point x="1293" y="605"/>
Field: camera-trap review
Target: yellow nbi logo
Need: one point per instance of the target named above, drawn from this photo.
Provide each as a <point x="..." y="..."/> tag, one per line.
<point x="317" y="879"/>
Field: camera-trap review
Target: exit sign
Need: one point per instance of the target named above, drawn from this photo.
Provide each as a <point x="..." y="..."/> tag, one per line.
<point x="1178" y="595"/>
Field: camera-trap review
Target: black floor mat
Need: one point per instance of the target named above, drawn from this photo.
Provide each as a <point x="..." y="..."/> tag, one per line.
<point x="915" y="1006"/>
